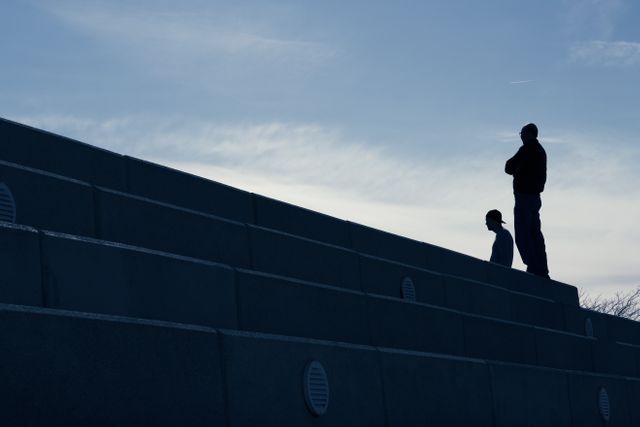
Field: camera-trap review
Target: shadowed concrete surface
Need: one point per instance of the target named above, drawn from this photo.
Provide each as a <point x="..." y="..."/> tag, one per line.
<point x="135" y="293"/>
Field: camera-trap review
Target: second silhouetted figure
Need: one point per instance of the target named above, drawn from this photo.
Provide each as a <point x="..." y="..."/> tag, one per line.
<point x="529" y="170"/>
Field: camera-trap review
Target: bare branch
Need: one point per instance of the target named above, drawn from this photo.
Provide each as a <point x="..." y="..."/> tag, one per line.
<point x="622" y="304"/>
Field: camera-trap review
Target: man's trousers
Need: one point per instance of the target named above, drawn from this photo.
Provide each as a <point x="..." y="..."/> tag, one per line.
<point x="529" y="238"/>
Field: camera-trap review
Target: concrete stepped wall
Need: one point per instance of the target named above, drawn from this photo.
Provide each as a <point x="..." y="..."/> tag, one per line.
<point x="122" y="218"/>
<point x="180" y="189"/>
<point x="94" y="276"/>
<point x="126" y="370"/>
<point x="481" y="345"/>
<point x="87" y="274"/>
<point x="56" y="203"/>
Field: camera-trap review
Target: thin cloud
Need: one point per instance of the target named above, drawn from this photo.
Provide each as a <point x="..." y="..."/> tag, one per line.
<point x="196" y="35"/>
<point x="599" y="52"/>
<point x="520" y="82"/>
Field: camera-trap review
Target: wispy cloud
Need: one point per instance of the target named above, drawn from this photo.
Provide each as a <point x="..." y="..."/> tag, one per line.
<point x="599" y="52"/>
<point x="196" y="35"/>
<point x="520" y="82"/>
<point x="590" y="207"/>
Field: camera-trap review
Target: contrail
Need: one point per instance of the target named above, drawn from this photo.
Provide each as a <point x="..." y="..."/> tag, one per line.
<point x="520" y="82"/>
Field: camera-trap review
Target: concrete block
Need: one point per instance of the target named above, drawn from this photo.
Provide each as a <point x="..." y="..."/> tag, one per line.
<point x="474" y="297"/>
<point x="491" y="301"/>
<point x="426" y="389"/>
<point x="492" y="339"/>
<point x="415" y="326"/>
<point x="20" y="273"/>
<point x="527" y="396"/>
<point x="584" y="396"/>
<point x="286" y="255"/>
<point x="265" y="386"/>
<point x="302" y="222"/>
<point x="277" y="305"/>
<point x="536" y="311"/>
<point x="171" y="186"/>
<point x="65" y="368"/>
<point x="518" y="281"/>
<point x="141" y="222"/>
<point x="564" y="293"/>
<point x="521" y="281"/>
<point x="563" y="350"/>
<point x="382" y="244"/>
<point x="576" y="322"/>
<point x="49" y="152"/>
<point x="383" y="277"/>
<point x="622" y="329"/>
<point x="49" y="202"/>
<point x="449" y="262"/>
<point x="102" y="277"/>
<point x="633" y="396"/>
<point x="457" y="293"/>
<point x="614" y="358"/>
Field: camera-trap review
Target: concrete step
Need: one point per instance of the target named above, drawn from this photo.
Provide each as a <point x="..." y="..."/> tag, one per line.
<point x="525" y="396"/>
<point x="50" y="202"/>
<point x="80" y="273"/>
<point x="57" y="154"/>
<point x="65" y="368"/>
<point x="383" y="277"/>
<point x="273" y="304"/>
<point x="69" y="368"/>
<point x="389" y="246"/>
<point x="87" y="275"/>
<point x="167" y="185"/>
<point x="141" y="222"/>
<point x="103" y="277"/>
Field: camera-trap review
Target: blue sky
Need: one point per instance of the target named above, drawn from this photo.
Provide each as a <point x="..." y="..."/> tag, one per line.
<point x="399" y="115"/>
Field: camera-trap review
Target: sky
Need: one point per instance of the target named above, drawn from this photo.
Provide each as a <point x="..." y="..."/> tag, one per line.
<point x="399" y="115"/>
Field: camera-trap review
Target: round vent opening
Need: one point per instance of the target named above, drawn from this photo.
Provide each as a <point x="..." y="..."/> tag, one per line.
<point x="588" y="327"/>
<point x="408" y="289"/>
<point x="7" y="204"/>
<point x="316" y="388"/>
<point x="603" y="403"/>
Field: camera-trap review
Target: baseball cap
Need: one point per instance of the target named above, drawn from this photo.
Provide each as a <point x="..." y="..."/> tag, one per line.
<point x="495" y="215"/>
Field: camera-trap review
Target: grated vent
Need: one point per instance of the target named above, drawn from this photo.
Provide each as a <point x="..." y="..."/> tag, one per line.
<point x="605" y="408"/>
<point x="7" y="204"/>
<point x="408" y="289"/>
<point x="316" y="388"/>
<point x="588" y="327"/>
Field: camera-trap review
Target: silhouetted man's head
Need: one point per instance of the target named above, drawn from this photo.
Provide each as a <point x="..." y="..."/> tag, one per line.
<point x="529" y="132"/>
<point x="493" y="220"/>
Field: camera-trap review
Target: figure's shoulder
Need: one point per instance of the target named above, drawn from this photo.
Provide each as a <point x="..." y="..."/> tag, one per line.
<point x="504" y="234"/>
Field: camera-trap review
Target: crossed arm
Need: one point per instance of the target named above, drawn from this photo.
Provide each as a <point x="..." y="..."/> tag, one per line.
<point x="514" y="163"/>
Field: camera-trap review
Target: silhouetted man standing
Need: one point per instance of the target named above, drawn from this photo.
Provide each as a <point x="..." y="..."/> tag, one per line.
<point x="529" y="170"/>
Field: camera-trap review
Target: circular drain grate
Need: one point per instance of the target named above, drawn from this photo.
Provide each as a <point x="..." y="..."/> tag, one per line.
<point x="316" y="388"/>
<point x="408" y="290"/>
<point x="603" y="402"/>
<point x="588" y="327"/>
<point x="7" y="204"/>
